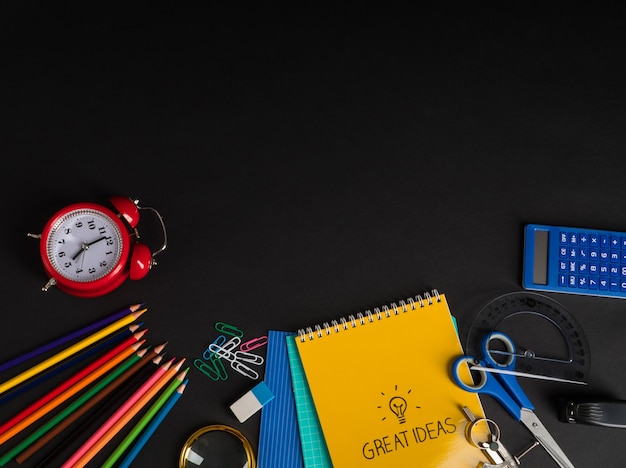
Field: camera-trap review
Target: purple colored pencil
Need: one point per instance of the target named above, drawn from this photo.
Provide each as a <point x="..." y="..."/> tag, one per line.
<point x="69" y="337"/>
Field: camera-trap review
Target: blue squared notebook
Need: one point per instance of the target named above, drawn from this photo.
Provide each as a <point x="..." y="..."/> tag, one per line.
<point x="279" y="440"/>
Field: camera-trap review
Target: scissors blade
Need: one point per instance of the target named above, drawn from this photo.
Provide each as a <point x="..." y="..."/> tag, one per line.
<point x="538" y="430"/>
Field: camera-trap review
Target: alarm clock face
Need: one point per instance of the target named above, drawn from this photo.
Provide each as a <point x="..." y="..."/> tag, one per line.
<point x="84" y="245"/>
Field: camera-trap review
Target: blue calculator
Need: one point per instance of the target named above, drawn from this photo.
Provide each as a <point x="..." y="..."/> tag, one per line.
<point x="574" y="260"/>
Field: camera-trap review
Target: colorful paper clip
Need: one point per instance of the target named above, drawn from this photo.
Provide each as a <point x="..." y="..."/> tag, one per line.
<point x="228" y="329"/>
<point x="254" y="343"/>
<point x="214" y="369"/>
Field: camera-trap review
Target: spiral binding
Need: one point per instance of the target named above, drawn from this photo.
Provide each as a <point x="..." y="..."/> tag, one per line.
<point x="368" y="316"/>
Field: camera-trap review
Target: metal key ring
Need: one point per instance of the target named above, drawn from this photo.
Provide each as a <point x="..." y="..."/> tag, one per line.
<point x="490" y="423"/>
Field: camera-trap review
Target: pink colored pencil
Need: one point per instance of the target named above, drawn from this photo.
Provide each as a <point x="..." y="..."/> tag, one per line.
<point x="126" y="417"/>
<point x="83" y="449"/>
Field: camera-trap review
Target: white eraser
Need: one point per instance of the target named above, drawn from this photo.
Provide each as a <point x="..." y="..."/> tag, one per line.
<point x="251" y="402"/>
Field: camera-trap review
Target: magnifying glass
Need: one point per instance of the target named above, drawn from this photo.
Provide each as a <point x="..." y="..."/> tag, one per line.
<point x="217" y="446"/>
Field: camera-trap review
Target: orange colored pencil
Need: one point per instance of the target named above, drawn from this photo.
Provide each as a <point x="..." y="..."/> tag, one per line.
<point x="59" y="399"/>
<point x="154" y="378"/>
<point x="128" y="415"/>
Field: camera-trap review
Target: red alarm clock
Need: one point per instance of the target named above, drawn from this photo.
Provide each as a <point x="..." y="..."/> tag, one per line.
<point x="89" y="250"/>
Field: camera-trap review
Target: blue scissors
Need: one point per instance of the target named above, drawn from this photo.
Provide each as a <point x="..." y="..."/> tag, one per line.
<point x="503" y="386"/>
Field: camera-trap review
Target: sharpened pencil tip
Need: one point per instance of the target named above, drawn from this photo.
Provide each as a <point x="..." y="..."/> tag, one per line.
<point x="134" y="307"/>
<point x="139" y="313"/>
<point x="160" y="348"/>
<point x="140" y="334"/>
<point x="138" y="345"/>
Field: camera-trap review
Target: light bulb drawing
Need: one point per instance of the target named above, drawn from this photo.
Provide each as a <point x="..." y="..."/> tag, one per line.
<point x="398" y="406"/>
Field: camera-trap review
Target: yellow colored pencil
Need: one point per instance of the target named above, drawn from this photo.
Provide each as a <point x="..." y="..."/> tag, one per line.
<point x="69" y="351"/>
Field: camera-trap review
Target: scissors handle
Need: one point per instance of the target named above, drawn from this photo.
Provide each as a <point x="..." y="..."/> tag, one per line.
<point x="488" y="384"/>
<point x="509" y="382"/>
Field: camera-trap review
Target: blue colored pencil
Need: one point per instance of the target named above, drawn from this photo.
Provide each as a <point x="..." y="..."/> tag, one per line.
<point x="69" y="337"/>
<point x="152" y="426"/>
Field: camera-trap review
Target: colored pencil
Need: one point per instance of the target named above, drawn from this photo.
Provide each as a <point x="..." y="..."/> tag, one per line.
<point x="69" y="337"/>
<point x="152" y="427"/>
<point x="63" y="419"/>
<point x="82" y="356"/>
<point x="143" y="422"/>
<point x="85" y="447"/>
<point x="133" y="410"/>
<point x="69" y="351"/>
<point x="92" y="409"/>
<point x="57" y="400"/>
<point x="85" y="372"/>
<point x="114" y="429"/>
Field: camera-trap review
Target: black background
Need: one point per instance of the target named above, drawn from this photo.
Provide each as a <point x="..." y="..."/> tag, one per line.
<point x="311" y="162"/>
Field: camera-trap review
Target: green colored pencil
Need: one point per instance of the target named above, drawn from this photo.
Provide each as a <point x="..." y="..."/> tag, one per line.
<point x="143" y="422"/>
<point x="7" y="457"/>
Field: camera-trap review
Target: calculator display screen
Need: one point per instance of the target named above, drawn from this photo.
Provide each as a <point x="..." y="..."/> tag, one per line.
<point x="540" y="263"/>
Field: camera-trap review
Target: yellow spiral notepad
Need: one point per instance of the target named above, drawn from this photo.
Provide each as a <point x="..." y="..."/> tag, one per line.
<point x="382" y="388"/>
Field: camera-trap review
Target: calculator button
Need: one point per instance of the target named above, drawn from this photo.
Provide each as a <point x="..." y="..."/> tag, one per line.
<point x="562" y="280"/>
<point x="594" y="240"/>
<point x="604" y="240"/>
<point x="603" y="284"/>
<point x="583" y="240"/>
<point x="615" y="242"/>
<point x="563" y="238"/>
<point x="593" y="282"/>
<point x="572" y="282"/>
<point x="604" y="255"/>
<point x="613" y="285"/>
<point x="573" y="238"/>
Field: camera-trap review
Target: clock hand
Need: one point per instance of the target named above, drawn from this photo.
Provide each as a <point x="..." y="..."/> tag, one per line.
<point x="82" y="261"/>
<point x="94" y="242"/>
<point x="84" y="246"/>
